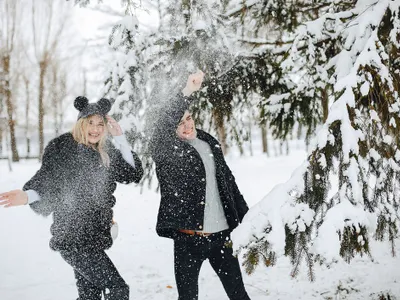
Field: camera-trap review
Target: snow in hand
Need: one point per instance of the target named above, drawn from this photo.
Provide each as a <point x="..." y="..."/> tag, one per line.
<point x="30" y="270"/>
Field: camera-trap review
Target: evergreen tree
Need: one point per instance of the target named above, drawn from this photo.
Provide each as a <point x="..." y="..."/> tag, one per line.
<point x="266" y="30"/>
<point x="296" y="59"/>
<point x="153" y="67"/>
<point x="348" y="190"/>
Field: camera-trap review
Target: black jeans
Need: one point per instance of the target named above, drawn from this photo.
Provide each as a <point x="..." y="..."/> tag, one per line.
<point x="191" y="250"/>
<point x="96" y="274"/>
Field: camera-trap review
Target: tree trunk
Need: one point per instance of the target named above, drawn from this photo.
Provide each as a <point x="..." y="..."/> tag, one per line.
<point x="10" y="108"/>
<point x="1" y="141"/>
<point x="63" y="94"/>
<point x="27" y="107"/>
<point x="221" y="132"/>
<point x="160" y="16"/>
<point x="264" y="138"/>
<point x="325" y="104"/>
<point x="240" y="145"/>
<point x="2" y="129"/>
<point x="84" y="83"/>
<point x="250" y="139"/>
<point x="55" y="100"/>
<point x="43" y="66"/>
<point x="186" y="6"/>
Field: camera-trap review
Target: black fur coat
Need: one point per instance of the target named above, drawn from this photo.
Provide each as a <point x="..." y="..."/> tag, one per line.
<point x="77" y="188"/>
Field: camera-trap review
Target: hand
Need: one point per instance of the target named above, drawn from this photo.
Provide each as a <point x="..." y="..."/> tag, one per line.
<point x="193" y="83"/>
<point x="13" y="198"/>
<point x="113" y="127"/>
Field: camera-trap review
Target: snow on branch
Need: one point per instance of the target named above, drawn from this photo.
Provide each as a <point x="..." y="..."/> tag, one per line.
<point x="347" y="191"/>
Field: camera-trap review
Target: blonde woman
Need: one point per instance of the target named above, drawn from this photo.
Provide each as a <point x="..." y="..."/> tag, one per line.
<point x="76" y="183"/>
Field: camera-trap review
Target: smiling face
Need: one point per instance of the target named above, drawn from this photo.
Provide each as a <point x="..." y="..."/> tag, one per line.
<point x="186" y="129"/>
<point x="95" y="129"/>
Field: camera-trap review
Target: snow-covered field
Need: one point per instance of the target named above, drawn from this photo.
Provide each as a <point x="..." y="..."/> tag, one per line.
<point x="30" y="270"/>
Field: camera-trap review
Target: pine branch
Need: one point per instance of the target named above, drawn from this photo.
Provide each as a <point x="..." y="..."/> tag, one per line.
<point x="239" y="10"/>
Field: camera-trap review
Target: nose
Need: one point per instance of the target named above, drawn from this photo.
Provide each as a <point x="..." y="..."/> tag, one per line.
<point x="94" y="129"/>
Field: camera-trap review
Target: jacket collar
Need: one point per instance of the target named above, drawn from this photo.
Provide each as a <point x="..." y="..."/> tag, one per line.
<point x="202" y="135"/>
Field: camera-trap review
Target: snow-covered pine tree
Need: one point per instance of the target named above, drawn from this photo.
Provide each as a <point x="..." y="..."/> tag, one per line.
<point x="266" y="30"/>
<point x="126" y="85"/>
<point x="347" y="191"/>
<point x="153" y="65"/>
<point x="192" y="37"/>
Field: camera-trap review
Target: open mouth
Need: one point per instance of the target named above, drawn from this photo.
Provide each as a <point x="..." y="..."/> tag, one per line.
<point x="94" y="135"/>
<point x="188" y="132"/>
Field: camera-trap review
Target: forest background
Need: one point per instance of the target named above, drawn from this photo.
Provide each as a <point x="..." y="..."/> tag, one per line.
<point x="325" y="72"/>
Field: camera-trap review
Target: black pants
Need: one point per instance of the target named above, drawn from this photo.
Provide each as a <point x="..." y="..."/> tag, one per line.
<point x="192" y="250"/>
<point x="96" y="274"/>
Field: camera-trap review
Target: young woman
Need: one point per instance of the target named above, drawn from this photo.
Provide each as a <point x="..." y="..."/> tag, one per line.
<point x="76" y="183"/>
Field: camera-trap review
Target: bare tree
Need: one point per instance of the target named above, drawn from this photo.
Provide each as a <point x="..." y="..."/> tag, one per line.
<point x="8" y="19"/>
<point x="1" y="128"/>
<point x="58" y="94"/>
<point x="264" y="138"/>
<point x="49" y="19"/>
<point x="27" y="109"/>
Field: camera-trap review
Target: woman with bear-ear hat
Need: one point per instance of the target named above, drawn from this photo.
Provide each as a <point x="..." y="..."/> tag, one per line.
<point x="75" y="183"/>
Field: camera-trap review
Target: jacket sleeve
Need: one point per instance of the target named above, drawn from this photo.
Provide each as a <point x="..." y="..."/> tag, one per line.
<point x="123" y="172"/>
<point x="241" y="205"/>
<point x="167" y="186"/>
<point x="46" y="181"/>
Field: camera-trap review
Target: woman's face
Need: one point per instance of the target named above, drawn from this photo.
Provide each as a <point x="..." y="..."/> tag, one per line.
<point x="186" y="129"/>
<point x="95" y="129"/>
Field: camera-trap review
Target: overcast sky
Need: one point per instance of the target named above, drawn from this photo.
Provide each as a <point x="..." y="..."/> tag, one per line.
<point x="93" y="27"/>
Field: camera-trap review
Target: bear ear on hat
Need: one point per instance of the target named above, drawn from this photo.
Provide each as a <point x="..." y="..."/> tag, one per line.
<point x="104" y="105"/>
<point x="81" y="102"/>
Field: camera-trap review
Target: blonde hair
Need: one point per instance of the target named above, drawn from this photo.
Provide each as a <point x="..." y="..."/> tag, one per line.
<point x="79" y="133"/>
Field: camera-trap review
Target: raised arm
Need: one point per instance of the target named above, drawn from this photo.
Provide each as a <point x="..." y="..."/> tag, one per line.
<point x="173" y="112"/>
<point x="126" y="165"/>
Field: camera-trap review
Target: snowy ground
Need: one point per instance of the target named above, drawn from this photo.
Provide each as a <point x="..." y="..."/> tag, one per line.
<point x="30" y="270"/>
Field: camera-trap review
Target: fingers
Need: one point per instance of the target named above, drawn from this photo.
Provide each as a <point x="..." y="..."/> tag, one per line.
<point x="6" y="198"/>
<point x="200" y="73"/>
<point x="111" y="121"/>
<point x="5" y="195"/>
<point x="5" y="202"/>
<point x="13" y="198"/>
<point x="115" y="128"/>
<point x="198" y="77"/>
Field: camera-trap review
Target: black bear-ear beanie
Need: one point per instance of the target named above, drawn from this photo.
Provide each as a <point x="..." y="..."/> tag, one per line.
<point x="104" y="105"/>
<point x="81" y="102"/>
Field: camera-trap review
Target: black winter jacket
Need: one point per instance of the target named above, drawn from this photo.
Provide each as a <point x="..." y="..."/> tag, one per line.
<point x="77" y="188"/>
<point x="181" y="175"/>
